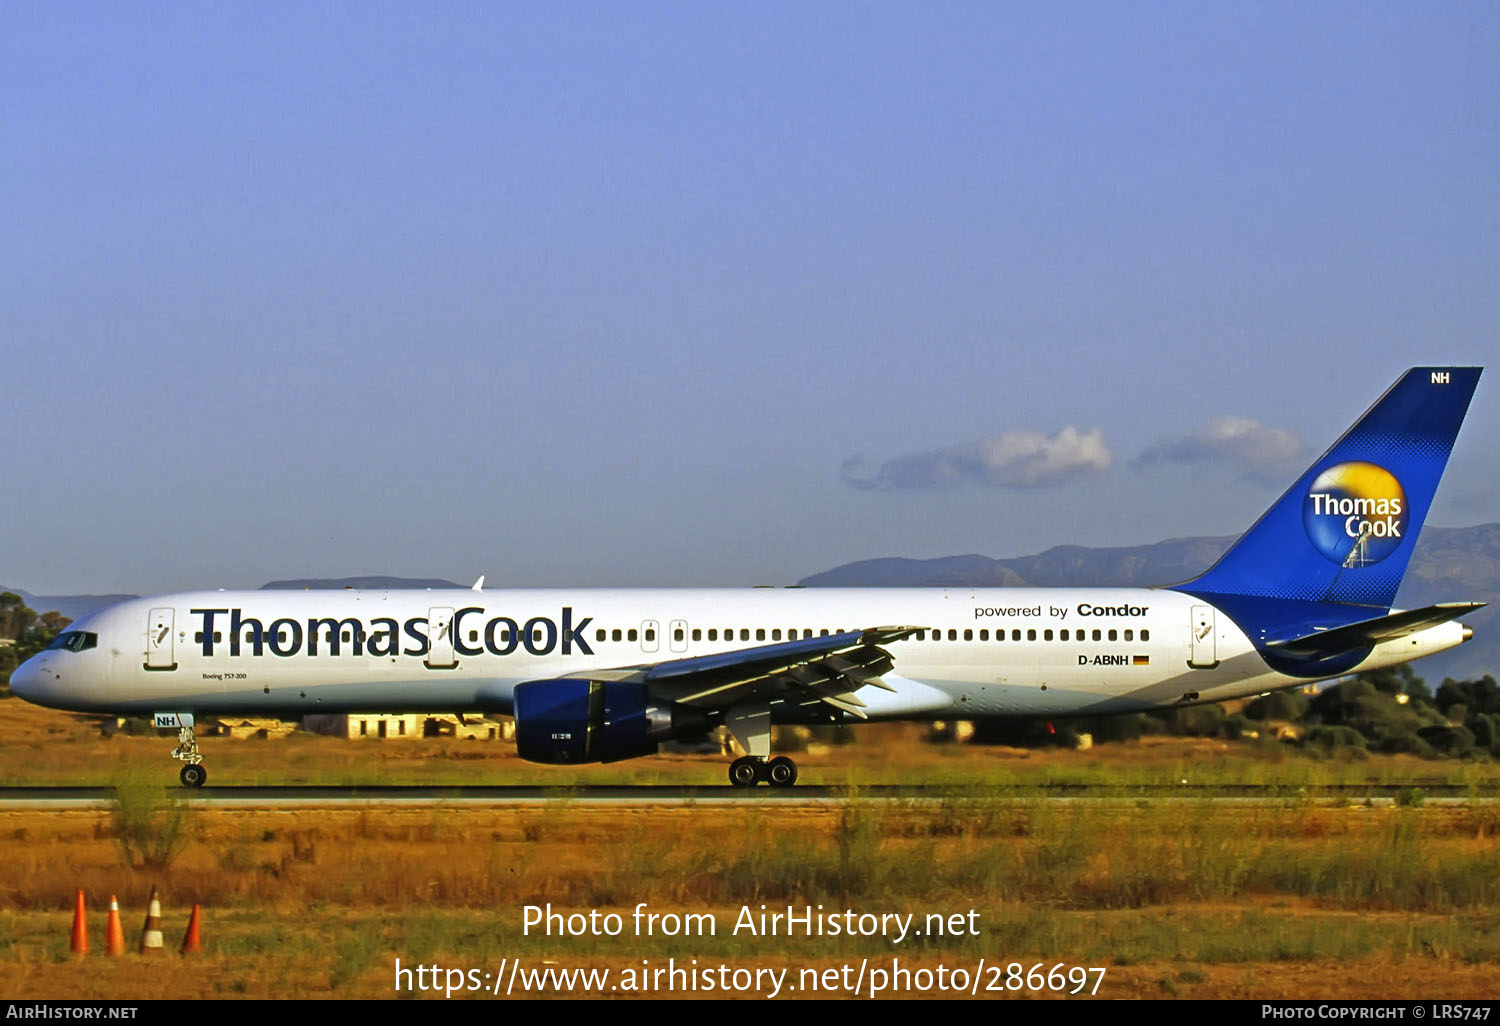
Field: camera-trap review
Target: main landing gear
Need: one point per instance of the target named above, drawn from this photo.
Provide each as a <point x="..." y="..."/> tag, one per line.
<point x="193" y="774"/>
<point x="751" y="770"/>
<point x="751" y="727"/>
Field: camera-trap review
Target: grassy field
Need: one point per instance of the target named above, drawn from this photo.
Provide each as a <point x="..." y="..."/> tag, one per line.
<point x="1197" y="899"/>
<point x="40" y="746"/>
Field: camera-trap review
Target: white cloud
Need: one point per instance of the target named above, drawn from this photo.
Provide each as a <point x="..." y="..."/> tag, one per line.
<point x="1257" y="451"/>
<point x="1017" y="459"/>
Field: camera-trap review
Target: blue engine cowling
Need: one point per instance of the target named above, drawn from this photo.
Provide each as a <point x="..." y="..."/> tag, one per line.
<point x="577" y="720"/>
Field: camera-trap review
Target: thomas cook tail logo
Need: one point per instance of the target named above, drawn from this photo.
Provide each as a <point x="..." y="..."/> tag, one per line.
<point x="1355" y="514"/>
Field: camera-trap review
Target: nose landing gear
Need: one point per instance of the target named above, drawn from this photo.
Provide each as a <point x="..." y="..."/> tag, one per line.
<point x="193" y="774"/>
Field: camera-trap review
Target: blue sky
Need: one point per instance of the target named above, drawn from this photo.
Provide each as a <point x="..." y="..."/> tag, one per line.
<point x="627" y="293"/>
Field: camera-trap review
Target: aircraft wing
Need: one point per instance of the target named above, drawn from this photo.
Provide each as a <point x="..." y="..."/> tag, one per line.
<point x="1365" y="633"/>
<point x="825" y="669"/>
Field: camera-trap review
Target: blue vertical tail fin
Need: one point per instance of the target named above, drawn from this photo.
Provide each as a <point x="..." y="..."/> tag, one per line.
<point x="1344" y="532"/>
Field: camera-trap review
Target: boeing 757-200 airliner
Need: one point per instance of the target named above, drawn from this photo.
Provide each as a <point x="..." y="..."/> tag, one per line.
<point x="601" y="675"/>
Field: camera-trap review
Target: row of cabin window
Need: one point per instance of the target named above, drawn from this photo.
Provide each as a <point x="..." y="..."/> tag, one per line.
<point x="792" y="634"/>
<point x="937" y="635"/>
<point x="678" y="634"/>
<point x="1047" y="634"/>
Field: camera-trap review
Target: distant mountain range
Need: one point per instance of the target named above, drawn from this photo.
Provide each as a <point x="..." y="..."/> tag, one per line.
<point x="74" y="606"/>
<point x="1451" y="564"/>
<point x="374" y="582"/>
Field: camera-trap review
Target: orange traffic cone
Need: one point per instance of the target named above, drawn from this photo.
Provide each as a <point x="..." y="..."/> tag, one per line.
<point x="114" y="931"/>
<point x="191" y="942"/>
<point x="151" y="931"/>
<point x="80" y="942"/>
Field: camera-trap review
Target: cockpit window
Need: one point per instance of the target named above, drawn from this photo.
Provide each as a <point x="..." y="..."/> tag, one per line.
<point x="75" y="641"/>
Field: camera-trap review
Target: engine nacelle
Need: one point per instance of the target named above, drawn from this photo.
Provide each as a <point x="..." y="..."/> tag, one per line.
<point x="578" y="720"/>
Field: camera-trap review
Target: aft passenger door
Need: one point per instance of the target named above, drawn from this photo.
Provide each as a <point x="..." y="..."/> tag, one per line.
<point x="1204" y="654"/>
<point x="161" y="652"/>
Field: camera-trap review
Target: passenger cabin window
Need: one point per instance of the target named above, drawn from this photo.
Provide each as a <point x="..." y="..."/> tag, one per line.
<point x="713" y="634"/>
<point x="744" y="633"/>
<point x="968" y="634"/>
<point x="697" y="634"/>
<point x="632" y="635"/>
<point x="1031" y="634"/>
<point x="760" y="634"/>
<point x="1047" y="634"/>
<point x="952" y="634"/>
<point x="776" y="634"/>
<point x="1098" y="634"/>
<point x="677" y="634"/>
<point x="1129" y="635"/>
<point x="984" y="634"/>
<point x="1145" y="634"/>
<point x="650" y="634"/>
<point x="1114" y="635"/>
<point x="600" y="635"/>
<point x="1015" y="635"/>
<point x="615" y="635"/>
<point x="1062" y="635"/>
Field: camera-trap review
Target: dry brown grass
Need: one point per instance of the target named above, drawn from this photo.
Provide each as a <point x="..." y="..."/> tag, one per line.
<point x="1191" y="899"/>
<point x="310" y="903"/>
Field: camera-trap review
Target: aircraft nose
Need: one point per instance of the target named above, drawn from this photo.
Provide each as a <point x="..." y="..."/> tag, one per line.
<point x="26" y="681"/>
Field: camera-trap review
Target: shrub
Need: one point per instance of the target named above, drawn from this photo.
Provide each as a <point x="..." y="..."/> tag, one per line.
<point x="1330" y="738"/>
<point x="1279" y="705"/>
<point x="150" y="825"/>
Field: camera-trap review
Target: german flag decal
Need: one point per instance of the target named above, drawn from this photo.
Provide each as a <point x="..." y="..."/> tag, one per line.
<point x="1140" y="660"/>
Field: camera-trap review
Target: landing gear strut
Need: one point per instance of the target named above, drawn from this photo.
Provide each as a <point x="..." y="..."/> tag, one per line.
<point x="750" y="770"/>
<point x="751" y="726"/>
<point x="193" y="774"/>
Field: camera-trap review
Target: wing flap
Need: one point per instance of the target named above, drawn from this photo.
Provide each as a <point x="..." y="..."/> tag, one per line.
<point x="829" y="669"/>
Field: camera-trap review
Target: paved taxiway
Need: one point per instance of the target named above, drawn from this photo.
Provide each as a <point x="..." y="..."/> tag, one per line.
<point x="647" y="796"/>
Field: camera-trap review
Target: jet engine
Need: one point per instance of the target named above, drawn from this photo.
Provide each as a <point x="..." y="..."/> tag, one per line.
<point x="578" y="720"/>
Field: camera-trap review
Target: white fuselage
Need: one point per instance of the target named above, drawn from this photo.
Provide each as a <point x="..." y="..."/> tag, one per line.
<point x="982" y="652"/>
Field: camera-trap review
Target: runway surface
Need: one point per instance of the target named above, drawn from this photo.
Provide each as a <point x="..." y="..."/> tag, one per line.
<point x="302" y="796"/>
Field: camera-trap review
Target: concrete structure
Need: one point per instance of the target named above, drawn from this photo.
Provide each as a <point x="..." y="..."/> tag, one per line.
<point x="406" y="726"/>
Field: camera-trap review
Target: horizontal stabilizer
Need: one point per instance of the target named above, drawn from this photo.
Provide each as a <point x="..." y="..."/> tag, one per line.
<point x="1366" y="633"/>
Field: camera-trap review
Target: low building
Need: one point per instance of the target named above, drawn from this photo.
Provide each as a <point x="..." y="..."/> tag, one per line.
<point x="401" y="726"/>
<point x="257" y="729"/>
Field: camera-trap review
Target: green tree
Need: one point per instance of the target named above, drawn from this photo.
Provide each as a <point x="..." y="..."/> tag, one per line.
<point x="14" y="616"/>
<point x="28" y="632"/>
<point x="40" y="633"/>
